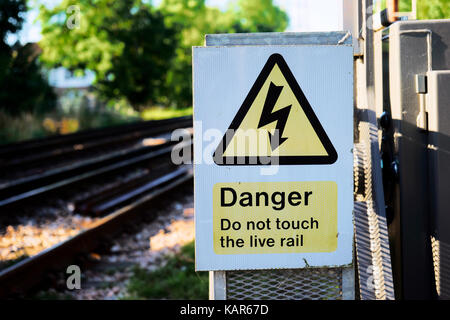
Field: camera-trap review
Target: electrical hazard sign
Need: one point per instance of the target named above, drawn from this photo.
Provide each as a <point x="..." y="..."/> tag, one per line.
<point x="275" y="217"/>
<point x="275" y="124"/>
<point x="273" y="156"/>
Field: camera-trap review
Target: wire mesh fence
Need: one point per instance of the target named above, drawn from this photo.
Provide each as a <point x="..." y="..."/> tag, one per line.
<point x="285" y="284"/>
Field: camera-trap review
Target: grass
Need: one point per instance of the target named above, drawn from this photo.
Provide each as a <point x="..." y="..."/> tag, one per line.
<point x="23" y="127"/>
<point x="175" y="280"/>
<point x="159" y="113"/>
<point x="78" y="110"/>
<point x="30" y="126"/>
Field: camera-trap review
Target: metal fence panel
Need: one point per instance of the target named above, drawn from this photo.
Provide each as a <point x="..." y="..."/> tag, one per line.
<point x="286" y="284"/>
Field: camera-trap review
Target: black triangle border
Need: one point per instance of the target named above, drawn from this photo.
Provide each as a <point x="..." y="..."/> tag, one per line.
<point x="332" y="156"/>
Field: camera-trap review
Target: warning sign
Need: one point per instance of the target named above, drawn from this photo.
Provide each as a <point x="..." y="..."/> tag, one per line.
<point x="275" y="124"/>
<point x="273" y="156"/>
<point x="275" y="217"/>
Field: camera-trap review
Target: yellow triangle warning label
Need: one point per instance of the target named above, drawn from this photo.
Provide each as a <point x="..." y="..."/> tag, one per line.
<point x="275" y="124"/>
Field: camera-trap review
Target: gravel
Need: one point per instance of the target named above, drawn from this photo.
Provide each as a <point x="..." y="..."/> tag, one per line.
<point x="34" y="236"/>
<point x="148" y="247"/>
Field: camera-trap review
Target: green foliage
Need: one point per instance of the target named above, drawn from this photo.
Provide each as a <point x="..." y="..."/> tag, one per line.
<point x="433" y="9"/>
<point x="86" y="46"/>
<point x="20" y="127"/>
<point x="159" y="113"/>
<point x="261" y="16"/>
<point x="138" y="73"/>
<point x="141" y="53"/>
<point x="176" y="280"/>
<point x="426" y="9"/>
<point x="126" y="43"/>
<point x="86" y="109"/>
<point x="23" y="88"/>
<point x="405" y="5"/>
<point x="75" y="112"/>
<point x="197" y="19"/>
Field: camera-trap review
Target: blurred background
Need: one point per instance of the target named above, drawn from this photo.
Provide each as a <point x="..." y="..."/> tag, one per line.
<point x="69" y="65"/>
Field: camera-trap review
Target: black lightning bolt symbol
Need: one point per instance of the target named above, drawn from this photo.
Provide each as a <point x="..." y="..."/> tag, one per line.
<point x="280" y="116"/>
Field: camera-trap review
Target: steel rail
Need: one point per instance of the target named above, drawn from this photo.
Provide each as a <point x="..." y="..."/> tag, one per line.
<point x="86" y="206"/>
<point x="79" y="147"/>
<point x="38" y="185"/>
<point x="26" y="274"/>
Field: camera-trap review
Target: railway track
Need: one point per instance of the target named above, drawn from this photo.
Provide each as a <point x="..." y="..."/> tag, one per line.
<point x="24" y="275"/>
<point x="53" y="148"/>
<point x="149" y="147"/>
<point x="114" y="206"/>
<point x="34" y="156"/>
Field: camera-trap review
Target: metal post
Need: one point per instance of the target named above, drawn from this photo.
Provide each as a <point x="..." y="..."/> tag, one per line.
<point x="348" y="284"/>
<point x="217" y="285"/>
<point x="372" y="243"/>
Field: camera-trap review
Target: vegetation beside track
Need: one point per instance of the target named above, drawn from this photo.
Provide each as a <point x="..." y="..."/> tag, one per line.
<point x="160" y="113"/>
<point x="30" y="126"/>
<point x="176" y="279"/>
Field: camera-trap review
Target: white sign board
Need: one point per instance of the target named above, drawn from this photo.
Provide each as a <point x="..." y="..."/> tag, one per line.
<point x="273" y="162"/>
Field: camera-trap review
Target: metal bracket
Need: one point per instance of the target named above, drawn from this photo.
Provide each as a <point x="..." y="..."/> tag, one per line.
<point x="421" y="90"/>
<point x="217" y="285"/>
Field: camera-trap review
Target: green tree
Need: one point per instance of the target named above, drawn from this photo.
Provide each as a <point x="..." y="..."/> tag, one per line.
<point x="126" y="43"/>
<point x="197" y="19"/>
<point x="260" y="16"/>
<point x="433" y="9"/>
<point x="140" y="53"/>
<point x="139" y="72"/>
<point x="23" y="88"/>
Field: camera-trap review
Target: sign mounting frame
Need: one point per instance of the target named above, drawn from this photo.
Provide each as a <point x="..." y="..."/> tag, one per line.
<point x="333" y="76"/>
